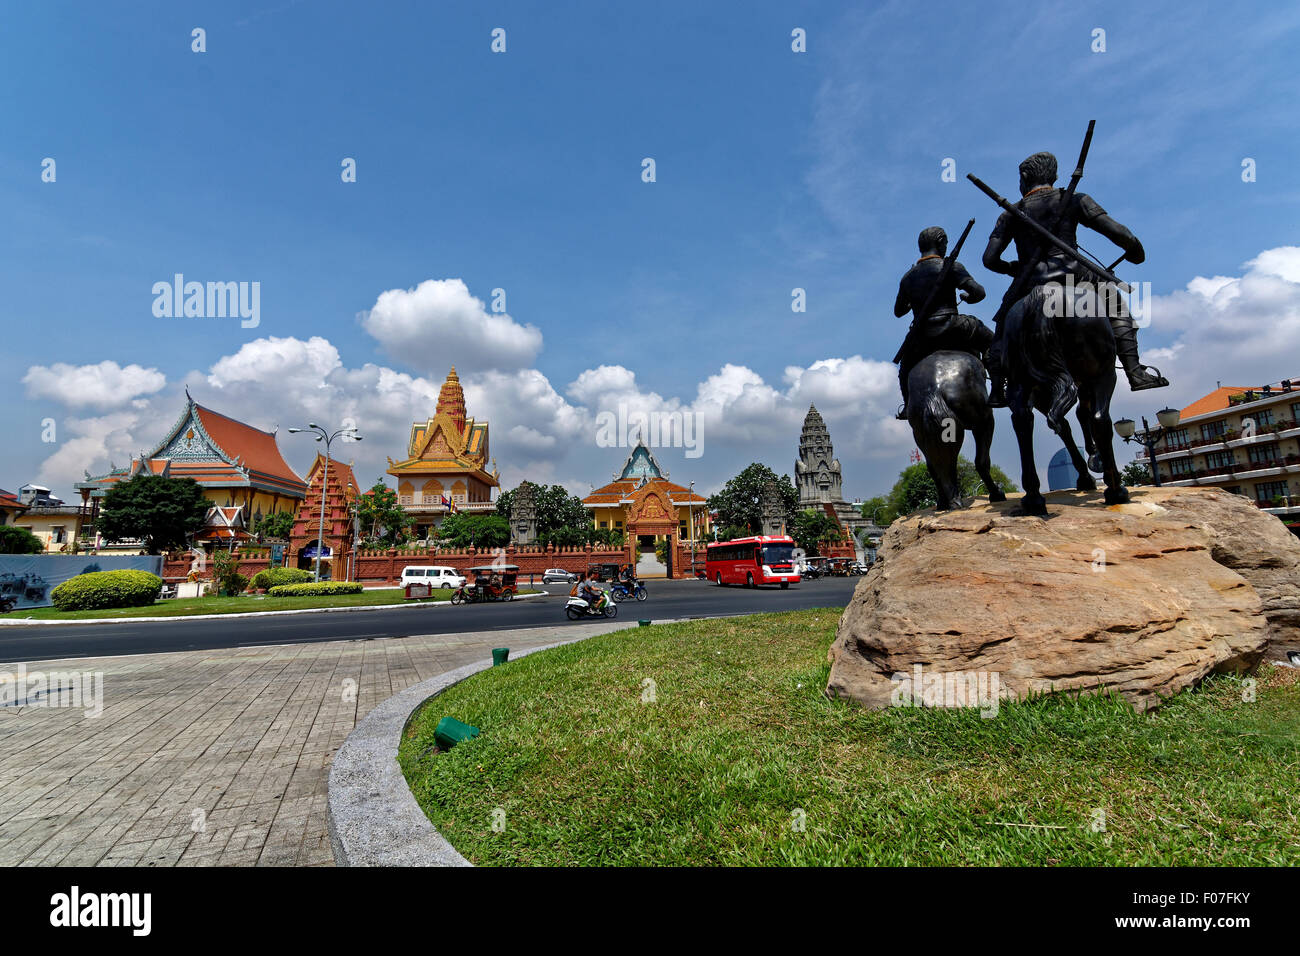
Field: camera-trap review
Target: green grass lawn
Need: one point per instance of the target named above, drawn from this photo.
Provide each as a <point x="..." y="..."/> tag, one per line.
<point x="185" y="607"/>
<point x="741" y="745"/>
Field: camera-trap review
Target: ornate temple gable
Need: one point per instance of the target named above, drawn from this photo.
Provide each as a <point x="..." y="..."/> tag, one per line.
<point x="651" y="510"/>
<point x="188" y="441"/>
<point x="640" y="465"/>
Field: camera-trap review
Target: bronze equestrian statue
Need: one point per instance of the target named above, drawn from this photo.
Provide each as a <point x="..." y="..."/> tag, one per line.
<point x="940" y="372"/>
<point x="929" y="291"/>
<point x="1061" y="324"/>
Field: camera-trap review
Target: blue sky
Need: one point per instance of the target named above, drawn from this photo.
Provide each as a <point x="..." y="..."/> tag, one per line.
<point x="522" y="171"/>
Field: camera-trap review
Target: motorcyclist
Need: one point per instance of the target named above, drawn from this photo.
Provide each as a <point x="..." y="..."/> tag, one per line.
<point x="588" y="591"/>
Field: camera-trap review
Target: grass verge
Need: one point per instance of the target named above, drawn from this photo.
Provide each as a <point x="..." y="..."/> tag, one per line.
<point x="740" y="747"/>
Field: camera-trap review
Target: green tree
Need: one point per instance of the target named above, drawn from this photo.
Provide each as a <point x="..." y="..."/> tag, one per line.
<point x="462" y="530"/>
<point x="915" y="489"/>
<point x="382" y="515"/>
<point x="162" y="512"/>
<point x="1136" y="473"/>
<point x="878" y="511"/>
<point x="277" y="524"/>
<point x="812" y="527"/>
<point x="19" y="541"/>
<point x="739" y="503"/>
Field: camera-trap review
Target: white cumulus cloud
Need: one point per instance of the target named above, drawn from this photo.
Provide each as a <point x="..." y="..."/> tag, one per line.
<point x="103" y="385"/>
<point x="439" y="323"/>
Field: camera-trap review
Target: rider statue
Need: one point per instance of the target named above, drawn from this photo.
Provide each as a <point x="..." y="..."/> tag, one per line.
<point x="1043" y="202"/>
<point x="942" y="327"/>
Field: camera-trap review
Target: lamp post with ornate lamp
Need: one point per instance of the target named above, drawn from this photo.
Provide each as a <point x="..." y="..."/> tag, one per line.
<point x="349" y="433"/>
<point x="1126" y="429"/>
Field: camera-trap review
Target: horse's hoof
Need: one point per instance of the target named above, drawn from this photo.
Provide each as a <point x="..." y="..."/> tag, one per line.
<point x="1085" y="483"/>
<point x="1117" y="496"/>
<point x="1035" y="507"/>
<point x="996" y="496"/>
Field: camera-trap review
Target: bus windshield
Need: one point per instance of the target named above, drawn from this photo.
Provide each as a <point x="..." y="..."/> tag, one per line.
<point x="778" y="553"/>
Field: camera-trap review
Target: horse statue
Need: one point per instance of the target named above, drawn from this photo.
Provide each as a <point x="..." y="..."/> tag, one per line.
<point x="1052" y="362"/>
<point x="946" y="396"/>
<point x="1062" y="323"/>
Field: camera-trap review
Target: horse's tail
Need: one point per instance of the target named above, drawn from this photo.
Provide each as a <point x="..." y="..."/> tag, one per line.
<point x="1044" y="358"/>
<point x="936" y="413"/>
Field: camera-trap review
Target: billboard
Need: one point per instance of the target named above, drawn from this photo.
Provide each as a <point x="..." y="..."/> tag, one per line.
<point x="29" y="578"/>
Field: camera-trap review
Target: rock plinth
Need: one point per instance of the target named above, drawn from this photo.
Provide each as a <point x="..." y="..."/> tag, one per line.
<point x="1143" y="599"/>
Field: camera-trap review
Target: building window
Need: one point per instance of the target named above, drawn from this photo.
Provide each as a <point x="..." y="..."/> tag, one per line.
<point x="1264" y="454"/>
<point x="1175" y="439"/>
<point x="1212" y="429"/>
<point x="1220" y="459"/>
<point x="618" y="526"/>
<point x="1262" y="417"/>
<point x="1179" y="466"/>
<point x="403" y="499"/>
<point x="1233" y="489"/>
<point x="1295" y="411"/>
<point x="1268" y="490"/>
<point x="56" y="534"/>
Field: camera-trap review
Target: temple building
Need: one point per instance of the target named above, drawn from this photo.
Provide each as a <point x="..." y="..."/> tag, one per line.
<point x="237" y="465"/>
<point x="643" y="504"/>
<point x="446" y="468"/>
<point x="819" y="481"/>
<point x="339" y="502"/>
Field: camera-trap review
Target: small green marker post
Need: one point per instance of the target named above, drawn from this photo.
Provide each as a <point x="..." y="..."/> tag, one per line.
<point x="644" y="622"/>
<point x="500" y="655"/>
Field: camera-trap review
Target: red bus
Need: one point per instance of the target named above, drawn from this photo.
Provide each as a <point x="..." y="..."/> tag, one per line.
<point x="752" y="561"/>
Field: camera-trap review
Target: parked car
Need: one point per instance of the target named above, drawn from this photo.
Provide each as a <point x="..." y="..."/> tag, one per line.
<point x="558" y="576"/>
<point x="436" y="576"/>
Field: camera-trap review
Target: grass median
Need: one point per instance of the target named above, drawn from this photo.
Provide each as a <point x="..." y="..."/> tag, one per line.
<point x="188" y="607"/>
<point x="740" y="759"/>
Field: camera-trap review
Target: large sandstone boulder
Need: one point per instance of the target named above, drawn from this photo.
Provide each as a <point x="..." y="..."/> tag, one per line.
<point x="1143" y="599"/>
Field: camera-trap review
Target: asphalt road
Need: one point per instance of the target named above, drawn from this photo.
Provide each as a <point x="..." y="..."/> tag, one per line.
<point x="668" y="600"/>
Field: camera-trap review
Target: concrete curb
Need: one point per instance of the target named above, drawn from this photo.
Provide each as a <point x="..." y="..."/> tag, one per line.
<point x="237" y="614"/>
<point x="373" y="818"/>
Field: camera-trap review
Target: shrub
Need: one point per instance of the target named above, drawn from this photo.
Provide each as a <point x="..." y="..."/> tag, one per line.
<point x="225" y="571"/>
<point x="14" y="540"/>
<point x="274" y="577"/>
<point x="105" y="589"/>
<point x="311" y="590"/>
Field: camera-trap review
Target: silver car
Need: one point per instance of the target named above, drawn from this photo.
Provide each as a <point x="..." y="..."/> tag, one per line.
<point x="558" y="576"/>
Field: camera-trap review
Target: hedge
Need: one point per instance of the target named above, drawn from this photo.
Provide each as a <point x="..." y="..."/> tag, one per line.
<point x="274" y="577"/>
<point x="105" y="589"/>
<point x="311" y="590"/>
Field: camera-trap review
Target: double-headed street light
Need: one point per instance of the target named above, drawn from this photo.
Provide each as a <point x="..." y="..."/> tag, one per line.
<point x="1126" y="429"/>
<point x="349" y="433"/>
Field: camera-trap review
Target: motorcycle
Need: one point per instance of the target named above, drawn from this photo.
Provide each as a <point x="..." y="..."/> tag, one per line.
<point x="7" y="604"/>
<point x="465" y="594"/>
<point x="578" y="608"/>
<point x="622" y="591"/>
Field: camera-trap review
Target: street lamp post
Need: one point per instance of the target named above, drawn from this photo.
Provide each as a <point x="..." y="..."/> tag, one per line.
<point x="1126" y="429"/>
<point x="349" y="433"/>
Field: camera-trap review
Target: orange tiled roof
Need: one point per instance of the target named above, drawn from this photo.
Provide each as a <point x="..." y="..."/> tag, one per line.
<point x="257" y="449"/>
<point x="1215" y="401"/>
<point x="624" y="488"/>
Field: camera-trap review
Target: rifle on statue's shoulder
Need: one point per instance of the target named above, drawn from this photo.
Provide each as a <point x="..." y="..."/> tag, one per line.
<point x="948" y="262"/>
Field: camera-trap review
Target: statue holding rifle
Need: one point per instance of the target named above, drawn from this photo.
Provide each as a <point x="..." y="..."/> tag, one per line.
<point x="1062" y="211"/>
<point x="1062" y="323"/>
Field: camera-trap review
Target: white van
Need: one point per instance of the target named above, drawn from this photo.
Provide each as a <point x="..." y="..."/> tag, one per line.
<point x="433" y="575"/>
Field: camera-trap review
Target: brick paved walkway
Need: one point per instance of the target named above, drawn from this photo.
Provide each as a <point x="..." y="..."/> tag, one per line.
<point x="206" y="757"/>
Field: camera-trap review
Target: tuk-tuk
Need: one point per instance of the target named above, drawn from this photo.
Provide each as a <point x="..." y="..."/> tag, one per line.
<point x="605" y="572"/>
<point x="495" y="582"/>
